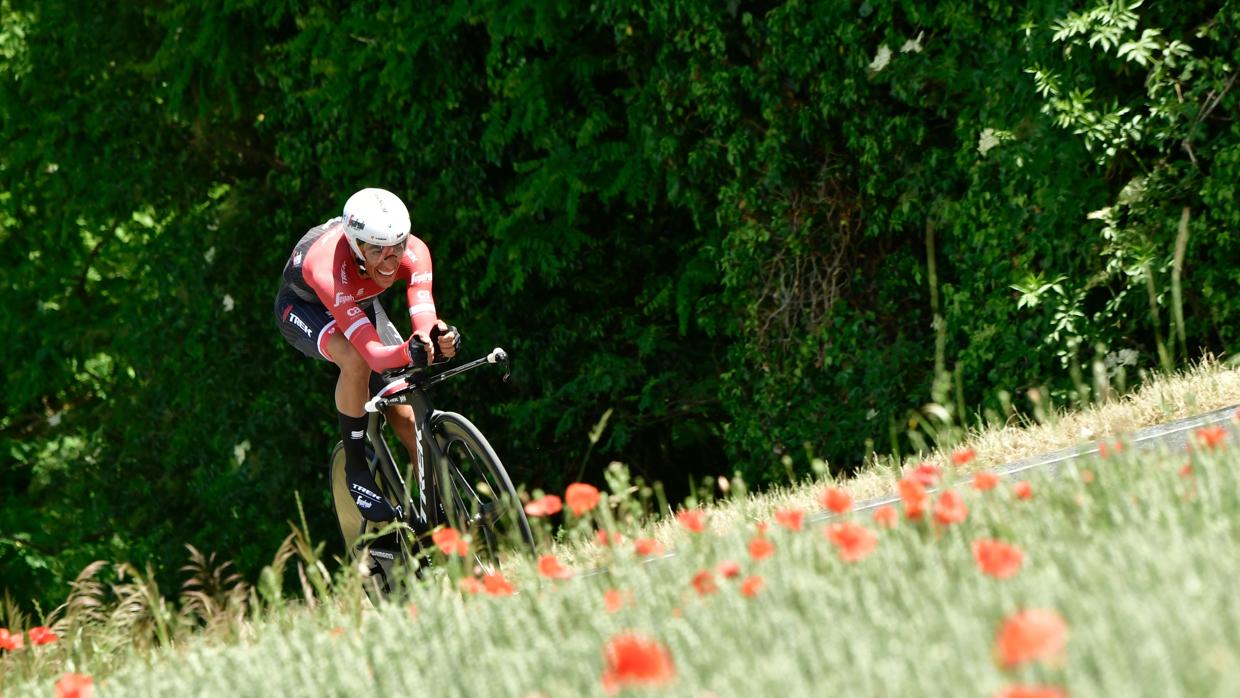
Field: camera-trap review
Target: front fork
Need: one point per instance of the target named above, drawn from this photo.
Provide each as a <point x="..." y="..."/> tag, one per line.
<point x="426" y="452"/>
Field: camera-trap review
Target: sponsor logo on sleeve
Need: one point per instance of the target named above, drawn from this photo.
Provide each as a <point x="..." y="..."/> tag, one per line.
<point x="423" y="278"/>
<point x="344" y="274"/>
<point x="342" y="298"/>
<point x="424" y="295"/>
<point x="354" y="311"/>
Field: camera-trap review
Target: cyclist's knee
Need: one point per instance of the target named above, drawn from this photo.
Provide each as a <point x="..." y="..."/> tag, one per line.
<point x="347" y="357"/>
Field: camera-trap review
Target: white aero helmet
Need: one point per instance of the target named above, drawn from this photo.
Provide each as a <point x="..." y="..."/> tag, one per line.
<point x="376" y="216"/>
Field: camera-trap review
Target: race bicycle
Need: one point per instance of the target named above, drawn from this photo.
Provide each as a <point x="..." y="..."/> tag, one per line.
<point x="457" y="481"/>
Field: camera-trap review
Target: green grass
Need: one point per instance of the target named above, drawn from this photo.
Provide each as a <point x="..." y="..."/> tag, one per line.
<point x="1141" y="563"/>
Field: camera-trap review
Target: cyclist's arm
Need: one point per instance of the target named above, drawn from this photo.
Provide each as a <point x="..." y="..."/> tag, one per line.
<point x="416" y="265"/>
<point x="357" y="328"/>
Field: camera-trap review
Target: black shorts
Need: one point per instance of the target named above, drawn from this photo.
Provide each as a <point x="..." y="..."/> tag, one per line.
<point x="307" y="325"/>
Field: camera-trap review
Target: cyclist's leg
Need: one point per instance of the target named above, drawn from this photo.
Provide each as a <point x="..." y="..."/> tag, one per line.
<point x="399" y="417"/>
<point x="352" y="388"/>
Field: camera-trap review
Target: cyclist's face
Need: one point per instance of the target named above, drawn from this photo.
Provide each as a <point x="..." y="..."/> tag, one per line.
<point x="382" y="262"/>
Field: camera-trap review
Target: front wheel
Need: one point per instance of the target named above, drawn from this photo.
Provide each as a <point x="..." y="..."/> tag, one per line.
<point x="476" y="491"/>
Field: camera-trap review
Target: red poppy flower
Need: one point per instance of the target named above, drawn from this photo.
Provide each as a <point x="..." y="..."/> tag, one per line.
<point x="997" y="558"/>
<point x="646" y="547"/>
<point x="836" y="500"/>
<point x="74" y="686"/>
<point x="789" y="518"/>
<point x="471" y="585"/>
<point x="950" y="508"/>
<point x="1212" y="436"/>
<point x="9" y="641"/>
<point x="547" y="505"/>
<point x="550" y="567"/>
<point x="581" y="497"/>
<point x="613" y="600"/>
<point x="605" y="539"/>
<point x="496" y="585"/>
<point x="728" y="569"/>
<point x="1186" y="470"/>
<point x="692" y="519"/>
<point x="704" y="583"/>
<point x="1022" y="489"/>
<point x="1032" y="635"/>
<point x="450" y="542"/>
<point x="854" y="541"/>
<point x="985" y="480"/>
<point x="886" y="516"/>
<point x="914" y="496"/>
<point x="751" y="586"/>
<point x="760" y="548"/>
<point x="1031" y="692"/>
<point x="41" y="635"/>
<point x="962" y="456"/>
<point x="926" y="474"/>
<point x="633" y="660"/>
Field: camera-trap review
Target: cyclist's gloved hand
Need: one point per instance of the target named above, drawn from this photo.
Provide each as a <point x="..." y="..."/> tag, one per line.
<point x="446" y="338"/>
<point x="421" y="352"/>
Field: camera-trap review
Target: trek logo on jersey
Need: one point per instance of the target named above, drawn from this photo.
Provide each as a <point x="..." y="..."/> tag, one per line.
<point x="344" y="274"/>
<point x="423" y="278"/>
<point x="342" y="298"/>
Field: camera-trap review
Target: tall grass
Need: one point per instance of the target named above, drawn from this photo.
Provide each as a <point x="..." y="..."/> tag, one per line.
<point x="1134" y="552"/>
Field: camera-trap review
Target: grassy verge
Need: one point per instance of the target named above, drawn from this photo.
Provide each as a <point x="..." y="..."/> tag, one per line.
<point x="1133" y="554"/>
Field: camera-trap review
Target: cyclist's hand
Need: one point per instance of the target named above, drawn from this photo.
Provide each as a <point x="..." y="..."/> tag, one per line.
<point x="447" y="339"/>
<point x="421" y="350"/>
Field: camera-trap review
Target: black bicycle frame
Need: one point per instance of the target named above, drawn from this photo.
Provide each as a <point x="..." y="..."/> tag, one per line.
<point x="413" y="393"/>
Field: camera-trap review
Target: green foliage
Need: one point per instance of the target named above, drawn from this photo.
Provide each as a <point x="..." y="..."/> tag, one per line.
<point x="706" y="220"/>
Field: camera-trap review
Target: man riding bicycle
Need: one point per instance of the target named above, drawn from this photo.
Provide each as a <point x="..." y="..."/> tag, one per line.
<point x="328" y="308"/>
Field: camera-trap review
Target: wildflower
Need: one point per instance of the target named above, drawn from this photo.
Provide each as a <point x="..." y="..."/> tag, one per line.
<point x="984" y="480"/>
<point x="1022" y="489"/>
<point x="547" y="505"/>
<point x="633" y="660"/>
<point x="1017" y="691"/>
<point x="950" y="509"/>
<point x="854" y="542"/>
<point x="1105" y="450"/>
<point x="704" y="583"/>
<point x="550" y="567"/>
<point x="760" y="548"/>
<point x="914" y="496"/>
<point x="751" y="586"/>
<point x="9" y="641"/>
<point x="605" y="539"/>
<point x="728" y="569"/>
<point x="613" y="600"/>
<point x="471" y="585"/>
<point x="581" y="497"/>
<point x="336" y="632"/>
<point x="789" y="518"/>
<point x="449" y="541"/>
<point x="1032" y="635"/>
<point x="886" y="516"/>
<point x="646" y="547"/>
<point x="412" y="610"/>
<point x="926" y="474"/>
<point x="836" y="500"/>
<point x="997" y="558"/>
<point x="1087" y="476"/>
<point x="963" y="456"/>
<point x="1211" y="437"/>
<point x="496" y="585"/>
<point x="74" y="686"/>
<point x="41" y="635"/>
<point x="692" y="519"/>
<point x="1186" y="470"/>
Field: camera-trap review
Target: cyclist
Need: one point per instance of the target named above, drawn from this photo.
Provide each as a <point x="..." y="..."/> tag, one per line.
<point x="328" y="308"/>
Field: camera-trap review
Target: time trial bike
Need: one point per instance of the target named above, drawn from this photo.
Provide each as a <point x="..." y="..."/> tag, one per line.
<point x="457" y="481"/>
